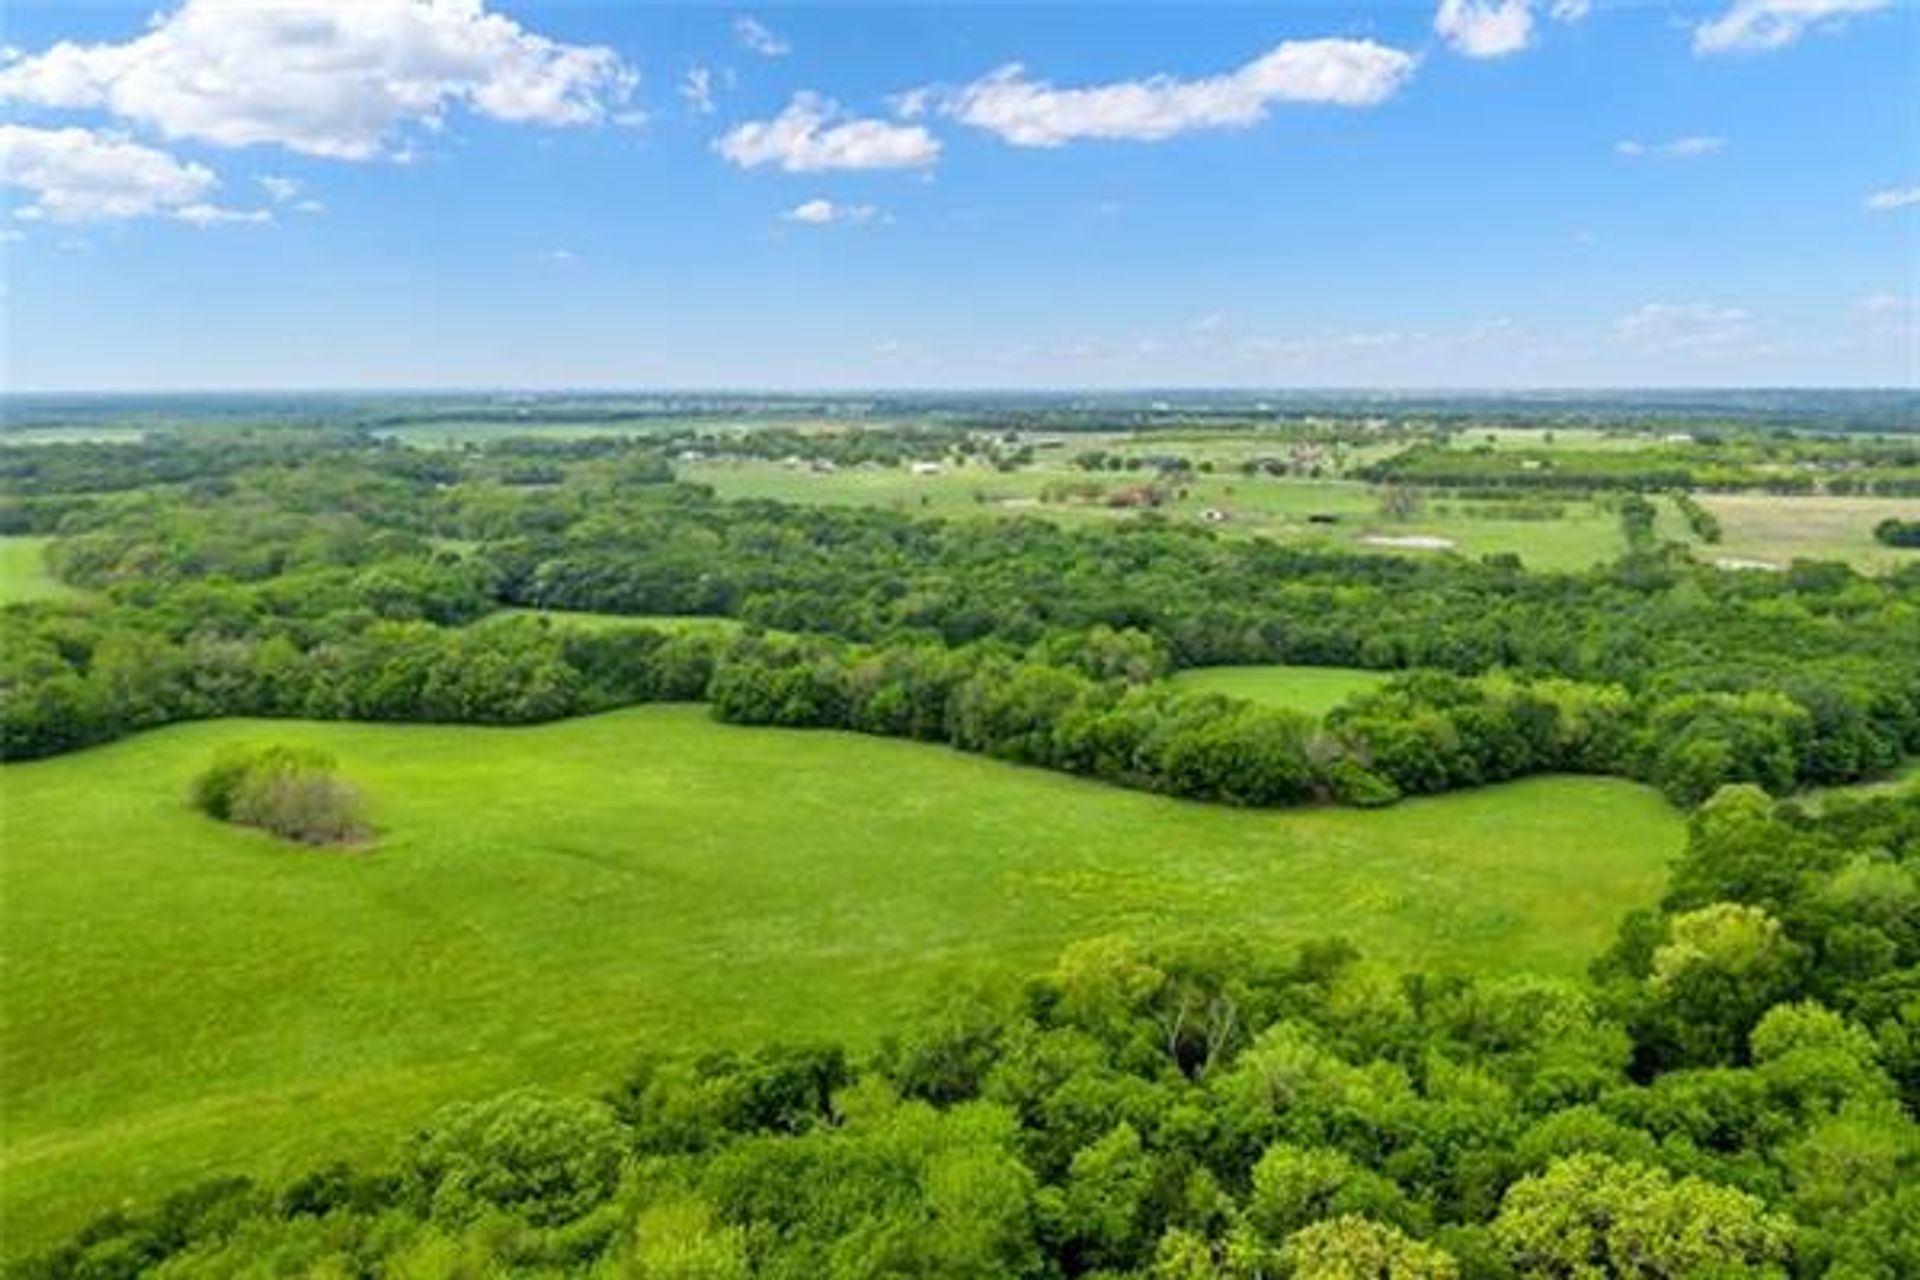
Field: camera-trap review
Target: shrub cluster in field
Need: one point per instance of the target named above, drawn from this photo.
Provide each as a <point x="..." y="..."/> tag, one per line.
<point x="1898" y="533"/>
<point x="1730" y="1094"/>
<point x="321" y="584"/>
<point x="290" y="791"/>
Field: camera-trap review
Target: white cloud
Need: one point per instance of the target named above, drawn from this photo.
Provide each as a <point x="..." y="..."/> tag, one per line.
<point x="1687" y="148"/>
<point x="820" y="212"/>
<point x="1893" y="198"/>
<point x="1485" y="28"/>
<point x="1033" y="113"/>
<point x="1756" y="25"/>
<point x="754" y="35"/>
<point x="559" y="257"/>
<point x="77" y="175"/>
<point x="1886" y="303"/>
<point x="336" y="80"/>
<point x="1569" y="10"/>
<point x="697" y="89"/>
<point x="210" y="215"/>
<point x="1684" y="326"/>
<point x="1210" y="322"/>
<point x="811" y="135"/>
<point x="279" y="190"/>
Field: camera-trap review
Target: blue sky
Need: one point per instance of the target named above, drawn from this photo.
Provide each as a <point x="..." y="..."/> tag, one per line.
<point x="1473" y="193"/>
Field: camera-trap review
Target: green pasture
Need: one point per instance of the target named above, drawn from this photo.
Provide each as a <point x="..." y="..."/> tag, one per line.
<point x="1276" y="507"/>
<point x="1313" y="691"/>
<point x="610" y="621"/>
<point x="24" y="574"/>
<point x="185" y="998"/>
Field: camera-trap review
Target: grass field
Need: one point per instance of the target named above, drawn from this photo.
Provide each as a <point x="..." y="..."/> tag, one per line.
<point x="24" y="574"/>
<point x="1312" y="690"/>
<point x="609" y="621"/>
<point x="1509" y="439"/>
<point x="1269" y="506"/>
<point x="184" y="998"/>
<point x="1778" y="530"/>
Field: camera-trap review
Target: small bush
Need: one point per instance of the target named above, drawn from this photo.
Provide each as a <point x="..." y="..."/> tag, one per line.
<point x="289" y="791"/>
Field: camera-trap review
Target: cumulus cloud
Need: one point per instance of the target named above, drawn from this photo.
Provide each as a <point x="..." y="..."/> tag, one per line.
<point x="77" y="175"/>
<point x="1496" y="28"/>
<point x="1684" y="326"/>
<point x="813" y="135"/>
<point x="754" y="35"/>
<point x="1034" y="113"/>
<point x="335" y="80"/>
<point x="1758" y="25"/>
<point x="820" y="212"/>
<point x="1688" y="148"/>
<point x="1485" y="28"/>
<point x="1892" y="198"/>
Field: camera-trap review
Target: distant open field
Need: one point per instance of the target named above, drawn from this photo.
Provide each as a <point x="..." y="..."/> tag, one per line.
<point x="1277" y="507"/>
<point x="24" y="574"/>
<point x="608" y="621"/>
<point x="184" y="997"/>
<point x="1779" y="530"/>
<point x="1311" y="690"/>
<point x="1583" y="438"/>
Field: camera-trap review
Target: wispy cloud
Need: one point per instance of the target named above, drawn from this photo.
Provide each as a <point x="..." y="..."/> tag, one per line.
<point x="820" y="211"/>
<point x="1684" y="326"/>
<point x="696" y="89"/>
<point x="1891" y="198"/>
<point x="754" y="35"/>
<point x="1691" y="147"/>
<point x="1752" y="26"/>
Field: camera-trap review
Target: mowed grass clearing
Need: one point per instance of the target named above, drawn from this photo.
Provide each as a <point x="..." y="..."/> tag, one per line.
<point x="1312" y="691"/>
<point x="24" y="574"/>
<point x="675" y="623"/>
<point x="185" y="998"/>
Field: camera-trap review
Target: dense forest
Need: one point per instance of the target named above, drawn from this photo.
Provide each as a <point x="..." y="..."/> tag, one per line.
<point x="335" y="576"/>
<point x="1731" y="1094"/>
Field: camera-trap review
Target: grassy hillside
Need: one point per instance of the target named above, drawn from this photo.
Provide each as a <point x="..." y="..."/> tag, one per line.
<point x="185" y="997"/>
<point x="1313" y="690"/>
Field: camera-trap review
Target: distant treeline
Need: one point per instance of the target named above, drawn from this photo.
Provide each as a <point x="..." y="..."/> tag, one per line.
<point x="356" y="582"/>
<point x="1889" y="468"/>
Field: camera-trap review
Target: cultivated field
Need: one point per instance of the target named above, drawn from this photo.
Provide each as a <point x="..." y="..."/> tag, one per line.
<point x="185" y="997"/>
<point x="1311" y="690"/>
<point x="1778" y="530"/>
